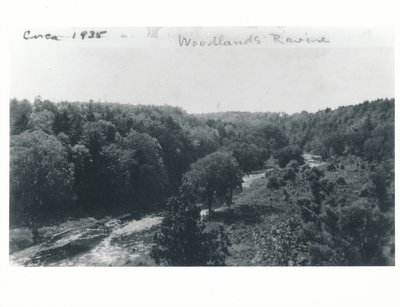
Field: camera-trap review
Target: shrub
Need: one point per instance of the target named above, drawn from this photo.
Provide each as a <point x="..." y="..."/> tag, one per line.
<point x="313" y="173"/>
<point x="294" y="164"/>
<point x="331" y="168"/>
<point x="289" y="174"/>
<point x="275" y="182"/>
<point x="309" y="209"/>
<point x="288" y="246"/>
<point x="327" y="186"/>
<point x="341" y="181"/>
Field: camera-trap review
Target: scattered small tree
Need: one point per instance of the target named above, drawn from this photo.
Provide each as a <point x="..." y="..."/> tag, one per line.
<point x="331" y="168"/>
<point x="289" y="174"/>
<point x="275" y="181"/>
<point x="340" y="181"/>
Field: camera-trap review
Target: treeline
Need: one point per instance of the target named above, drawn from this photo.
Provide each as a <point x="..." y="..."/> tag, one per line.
<point x="94" y="159"/>
<point x="102" y="158"/>
<point x="365" y="130"/>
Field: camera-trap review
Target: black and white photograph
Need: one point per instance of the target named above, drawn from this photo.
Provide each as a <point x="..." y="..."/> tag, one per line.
<point x="202" y="146"/>
<point x="199" y="153"/>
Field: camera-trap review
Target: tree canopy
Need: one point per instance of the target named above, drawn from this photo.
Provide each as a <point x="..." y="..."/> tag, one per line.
<point x="184" y="241"/>
<point x="213" y="176"/>
<point x="116" y="157"/>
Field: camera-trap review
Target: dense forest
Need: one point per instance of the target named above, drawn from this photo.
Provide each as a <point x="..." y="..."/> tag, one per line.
<point x="71" y="160"/>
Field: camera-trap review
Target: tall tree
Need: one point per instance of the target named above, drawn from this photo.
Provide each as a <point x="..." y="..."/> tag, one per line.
<point x="215" y="175"/>
<point x="184" y="241"/>
<point x="41" y="177"/>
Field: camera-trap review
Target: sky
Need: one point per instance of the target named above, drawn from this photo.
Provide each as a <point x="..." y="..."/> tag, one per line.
<point x="201" y="80"/>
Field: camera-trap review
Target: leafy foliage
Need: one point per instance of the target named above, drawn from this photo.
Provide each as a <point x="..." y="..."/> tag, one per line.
<point x="213" y="176"/>
<point x="249" y="157"/>
<point x="75" y="159"/>
<point x="287" y="154"/>
<point x="184" y="241"/>
<point x="328" y="229"/>
<point x="275" y="181"/>
<point x="41" y="176"/>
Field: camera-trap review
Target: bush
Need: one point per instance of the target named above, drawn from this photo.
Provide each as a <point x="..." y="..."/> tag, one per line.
<point x="289" y="174"/>
<point x="309" y="211"/>
<point x="275" y="182"/>
<point x="313" y="173"/>
<point x="288" y="247"/>
<point x="341" y="181"/>
<point x="331" y="168"/>
<point x="294" y="164"/>
<point x="327" y="186"/>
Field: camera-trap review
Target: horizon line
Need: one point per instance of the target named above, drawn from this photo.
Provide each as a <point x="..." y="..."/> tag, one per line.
<point x="198" y="113"/>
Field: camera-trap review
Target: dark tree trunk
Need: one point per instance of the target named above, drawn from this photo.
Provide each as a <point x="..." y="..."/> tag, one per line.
<point x="209" y="203"/>
<point x="33" y="225"/>
<point x="36" y="235"/>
